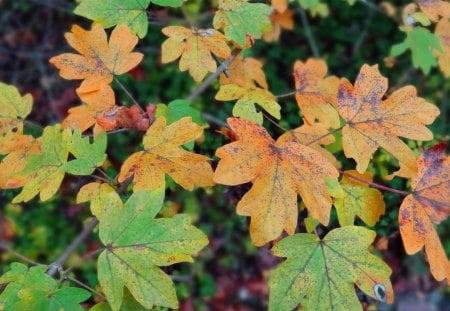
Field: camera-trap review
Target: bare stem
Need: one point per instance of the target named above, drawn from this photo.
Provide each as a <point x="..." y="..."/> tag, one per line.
<point x="324" y="135"/>
<point x="85" y="286"/>
<point x="56" y="266"/>
<point x="207" y="82"/>
<point x="24" y="258"/>
<point x="292" y="93"/>
<point x="375" y="185"/>
<point x="309" y="34"/>
<point x="129" y="94"/>
<point x="212" y="119"/>
<point x="274" y="122"/>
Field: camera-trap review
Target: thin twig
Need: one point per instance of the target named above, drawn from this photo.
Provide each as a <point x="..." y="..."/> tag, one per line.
<point x="212" y="119"/>
<point x="324" y="135"/>
<point x="207" y="82"/>
<point x="56" y="266"/>
<point x="85" y="286"/>
<point x="19" y="255"/>
<point x="289" y="94"/>
<point x="108" y="181"/>
<point x="274" y="122"/>
<point x="375" y="185"/>
<point x="308" y="33"/>
<point x="104" y="174"/>
<point x="129" y="94"/>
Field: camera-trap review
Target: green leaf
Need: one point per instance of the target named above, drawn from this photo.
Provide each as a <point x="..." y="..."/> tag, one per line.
<point x="320" y="274"/>
<point x="88" y="155"/>
<point x="172" y="3"/>
<point x="45" y="171"/>
<point x="33" y="289"/>
<point x="136" y="244"/>
<point x="238" y="18"/>
<point x="110" y="13"/>
<point x="422" y="44"/>
<point x="315" y="7"/>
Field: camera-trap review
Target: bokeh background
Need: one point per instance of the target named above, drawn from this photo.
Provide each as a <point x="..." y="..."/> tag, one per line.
<point x="230" y="274"/>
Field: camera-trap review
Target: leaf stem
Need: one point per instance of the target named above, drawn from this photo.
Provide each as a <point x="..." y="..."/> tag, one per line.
<point x="289" y="94"/>
<point x="84" y="286"/>
<point x="375" y="185"/>
<point x="129" y="94"/>
<point x="308" y="33"/>
<point x="324" y="135"/>
<point x="8" y="249"/>
<point x="274" y="122"/>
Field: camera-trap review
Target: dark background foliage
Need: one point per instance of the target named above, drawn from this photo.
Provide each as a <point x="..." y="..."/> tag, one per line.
<point x="230" y="274"/>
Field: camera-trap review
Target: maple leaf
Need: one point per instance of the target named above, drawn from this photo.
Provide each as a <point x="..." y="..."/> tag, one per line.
<point x="134" y="252"/>
<point x="238" y="18"/>
<point x="320" y="274"/>
<point x="443" y="32"/>
<point x="428" y="204"/>
<point x="95" y="104"/>
<point x="280" y="5"/>
<point x="99" y="60"/>
<point x="315" y="7"/>
<point x="433" y="9"/>
<point x="279" y="171"/>
<point x="373" y="123"/>
<point x="45" y="171"/>
<point x="423" y="45"/>
<point x="33" y="289"/>
<point x="163" y="154"/>
<point x="247" y="97"/>
<point x="123" y="117"/>
<point x="196" y="48"/>
<point x="13" y="109"/>
<point x="313" y="135"/>
<point x="279" y="20"/>
<point x="359" y="200"/>
<point x="316" y="95"/>
<point x="17" y="151"/>
<point x="246" y="72"/>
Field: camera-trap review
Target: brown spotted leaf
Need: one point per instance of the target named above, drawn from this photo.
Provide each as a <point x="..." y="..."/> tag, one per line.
<point x="373" y="122"/>
<point x="279" y="171"/>
<point x="99" y="60"/>
<point x="428" y="204"/>
<point x="163" y="154"/>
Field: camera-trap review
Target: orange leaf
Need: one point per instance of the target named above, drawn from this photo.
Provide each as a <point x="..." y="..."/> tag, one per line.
<point x="124" y="117"/>
<point x="279" y="172"/>
<point x="99" y="60"/>
<point x="280" y="20"/>
<point x="428" y="204"/>
<point x="373" y="123"/>
<point x="443" y="32"/>
<point x="95" y="103"/>
<point x="316" y="95"/>
<point x="246" y="72"/>
<point x="195" y="48"/>
<point x="280" y="5"/>
<point x="435" y="8"/>
<point x="164" y="155"/>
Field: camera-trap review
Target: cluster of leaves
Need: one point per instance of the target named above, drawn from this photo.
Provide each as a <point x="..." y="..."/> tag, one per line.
<point x="319" y="272"/>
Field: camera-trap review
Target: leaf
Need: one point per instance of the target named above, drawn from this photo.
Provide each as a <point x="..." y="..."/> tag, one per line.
<point x="433" y="9"/>
<point x="315" y="7"/>
<point x="428" y="204"/>
<point x="196" y="48"/>
<point x="422" y="44"/>
<point x="246" y="72"/>
<point x="312" y="135"/>
<point x="359" y="200"/>
<point x="88" y="155"/>
<point x="13" y="109"/>
<point x="280" y="5"/>
<point x="134" y="252"/>
<point x="238" y="18"/>
<point x="283" y="20"/>
<point x="128" y="304"/>
<point x="443" y="32"/>
<point x="320" y="274"/>
<point x="33" y="289"/>
<point x="44" y="172"/>
<point x="178" y="109"/>
<point x="110" y="13"/>
<point x="279" y="172"/>
<point x="17" y="150"/>
<point x="373" y="122"/>
<point x="247" y="97"/>
<point x="101" y="196"/>
<point x="124" y="117"/>
<point x="95" y="103"/>
<point x="316" y="95"/>
<point x="163" y="154"/>
<point x="99" y="60"/>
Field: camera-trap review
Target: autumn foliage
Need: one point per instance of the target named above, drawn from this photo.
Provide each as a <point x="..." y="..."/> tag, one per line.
<point x="292" y="174"/>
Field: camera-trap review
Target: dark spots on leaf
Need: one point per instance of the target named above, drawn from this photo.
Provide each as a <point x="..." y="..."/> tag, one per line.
<point x="14" y="129"/>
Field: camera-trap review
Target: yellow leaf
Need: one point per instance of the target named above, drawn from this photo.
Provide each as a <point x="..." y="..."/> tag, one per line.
<point x="99" y="60"/>
<point x="279" y="172"/>
<point x="443" y="32"/>
<point x="164" y="154"/>
<point x="245" y="72"/>
<point x="196" y="49"/>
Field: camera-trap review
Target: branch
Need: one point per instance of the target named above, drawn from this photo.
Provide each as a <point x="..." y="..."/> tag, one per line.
<point x="129" y="94"/>
<point x="57" y="265"/>
<point x="8" y="249"/>
<point x="309" y="34"/>
<point x="209" y="80"/>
